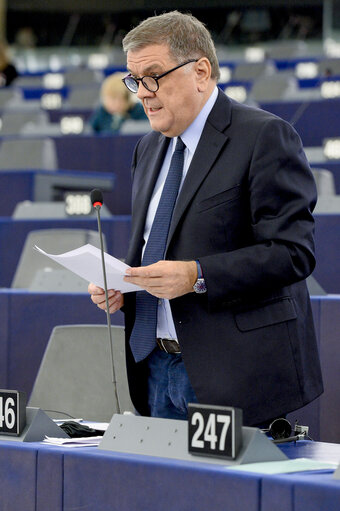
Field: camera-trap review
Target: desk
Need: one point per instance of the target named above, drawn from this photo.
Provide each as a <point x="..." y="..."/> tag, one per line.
<point x="305" y="491"/>
<point x="46" y="185"/>
<point x="61" y="479"/>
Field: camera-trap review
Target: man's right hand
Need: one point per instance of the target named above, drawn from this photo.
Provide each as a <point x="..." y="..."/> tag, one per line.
<point x="116" y="299"/>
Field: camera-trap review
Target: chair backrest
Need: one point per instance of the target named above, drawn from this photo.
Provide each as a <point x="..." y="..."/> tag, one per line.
<point x="286" y="49"/>
<point x="131" y="127"/>
<point x="252" y="70"/>
<point x="29" y="81"/>
<point x="272" y="88"/>
<point x="83" y="97"/>
<point x="53" y="280"/>
<point x="15" y="122"/>
<point x="75" y="374"/>
<point x="53" y="241"/>
<point x="327" y="204"/>
<point x="324" y="180"/>
<point x="314" y="288"/>
<point x="329" y="67"/>
<point x="82" y="76"/>
<point x="6" y="94"/>
<point x="28" y="154"/>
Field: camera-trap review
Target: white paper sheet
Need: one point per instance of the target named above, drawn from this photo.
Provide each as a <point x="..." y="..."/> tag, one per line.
<point x="86" y="262"/>
<point x="286" y="466"/>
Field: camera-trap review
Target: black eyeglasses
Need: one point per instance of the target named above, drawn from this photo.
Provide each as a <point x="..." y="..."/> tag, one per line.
<point x="150" y="82"/>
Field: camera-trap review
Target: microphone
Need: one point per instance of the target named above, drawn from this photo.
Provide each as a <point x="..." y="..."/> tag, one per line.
<point x="97" y="202"/>
<point x="97" y="198"/>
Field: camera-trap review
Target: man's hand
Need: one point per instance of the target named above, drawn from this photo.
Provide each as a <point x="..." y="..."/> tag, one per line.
<point x="165" y="279"/>
<point x="116" y="299"/>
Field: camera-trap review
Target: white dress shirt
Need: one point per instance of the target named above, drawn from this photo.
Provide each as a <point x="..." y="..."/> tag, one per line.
<point x="190" y="137"/>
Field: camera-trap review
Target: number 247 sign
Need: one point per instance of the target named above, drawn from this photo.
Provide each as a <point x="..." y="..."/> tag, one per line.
<point x="214" y="430"/>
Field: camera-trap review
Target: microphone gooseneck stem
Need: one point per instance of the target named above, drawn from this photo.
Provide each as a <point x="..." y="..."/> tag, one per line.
<point x="107" y="309"/>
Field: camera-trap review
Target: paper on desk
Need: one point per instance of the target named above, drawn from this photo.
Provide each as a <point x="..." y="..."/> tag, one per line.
<point x="86" y="262"/>
<point x="90" y="441"/>
<point x="286" y="466"/>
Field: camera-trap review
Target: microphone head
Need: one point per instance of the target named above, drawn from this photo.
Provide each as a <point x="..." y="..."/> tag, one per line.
<point x="96" y="198"/>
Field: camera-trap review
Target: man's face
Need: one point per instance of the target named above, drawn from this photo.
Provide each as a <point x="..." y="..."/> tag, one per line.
<point x="177" y="102"/>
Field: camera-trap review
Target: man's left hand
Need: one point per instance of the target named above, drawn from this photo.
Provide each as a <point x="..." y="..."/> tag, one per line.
<point x="165" y="279"/>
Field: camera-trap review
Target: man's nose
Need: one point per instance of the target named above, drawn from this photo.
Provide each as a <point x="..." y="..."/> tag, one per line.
<point x="143" y="92"/>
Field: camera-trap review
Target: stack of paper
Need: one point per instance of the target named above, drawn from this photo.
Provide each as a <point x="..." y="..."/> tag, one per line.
<point x="90" y="441"/>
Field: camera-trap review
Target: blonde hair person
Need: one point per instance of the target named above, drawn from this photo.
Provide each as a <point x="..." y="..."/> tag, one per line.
<point x="117" y="105"/>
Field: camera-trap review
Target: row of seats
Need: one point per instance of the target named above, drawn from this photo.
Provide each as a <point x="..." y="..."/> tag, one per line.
<point x="251" y="74"/>
<point x="71" y="122"/>
<point x="68" y="78"/>
<point x="41" y="153"/>
<point x="84" y="96"/>
<point x="247" y="71"/>
<point x="37" y="272"/>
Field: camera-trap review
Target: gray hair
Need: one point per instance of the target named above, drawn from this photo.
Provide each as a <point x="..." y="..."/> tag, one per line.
<point x="185" y="35"/>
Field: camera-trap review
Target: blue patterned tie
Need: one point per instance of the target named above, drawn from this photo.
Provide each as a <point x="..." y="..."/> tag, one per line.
<point x="143" y="336"/>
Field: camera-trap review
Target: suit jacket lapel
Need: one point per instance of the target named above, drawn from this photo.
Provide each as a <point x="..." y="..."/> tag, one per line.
<point x="211" y="142"/>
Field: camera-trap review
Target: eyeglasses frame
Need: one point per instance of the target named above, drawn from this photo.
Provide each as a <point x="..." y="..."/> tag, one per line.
<point x="156" y="78"/>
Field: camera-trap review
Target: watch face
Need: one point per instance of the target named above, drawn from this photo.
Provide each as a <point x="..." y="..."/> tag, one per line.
<point x="199" y="286"/>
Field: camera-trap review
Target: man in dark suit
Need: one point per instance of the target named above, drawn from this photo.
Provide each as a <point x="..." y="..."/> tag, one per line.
<point x="234" y="324"/>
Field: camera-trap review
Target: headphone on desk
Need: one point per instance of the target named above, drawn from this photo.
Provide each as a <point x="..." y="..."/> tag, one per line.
<point x="281" y="431"/>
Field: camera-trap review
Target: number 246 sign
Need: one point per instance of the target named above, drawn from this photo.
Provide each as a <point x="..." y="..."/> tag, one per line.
<point x="214" y="430"/>
<point x="12" y="412"/>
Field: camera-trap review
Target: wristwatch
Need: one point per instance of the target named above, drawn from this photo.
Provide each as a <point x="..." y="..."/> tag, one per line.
<point x="199" y="286"/>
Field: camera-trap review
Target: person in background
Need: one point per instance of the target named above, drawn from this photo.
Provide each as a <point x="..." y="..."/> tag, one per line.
<point x="221" y="240"/>
<point x="8" y="72"/>
<point x="117" y="106"/>
<point x="25" y="38"/>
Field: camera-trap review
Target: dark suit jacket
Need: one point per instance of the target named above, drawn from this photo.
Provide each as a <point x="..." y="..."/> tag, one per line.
<point x="245" y="211"/>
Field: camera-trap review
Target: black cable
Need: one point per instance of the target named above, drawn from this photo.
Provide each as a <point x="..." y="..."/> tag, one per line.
<point x="62" y="413"/>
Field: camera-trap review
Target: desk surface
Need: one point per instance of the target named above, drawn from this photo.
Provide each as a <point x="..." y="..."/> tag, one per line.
<point x="65" y="479"/>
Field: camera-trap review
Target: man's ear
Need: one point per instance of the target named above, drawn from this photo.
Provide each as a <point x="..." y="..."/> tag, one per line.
<point x="203" y="74"/>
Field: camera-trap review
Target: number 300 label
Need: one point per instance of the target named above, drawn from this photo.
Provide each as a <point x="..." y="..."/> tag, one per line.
<point x="214" y="430"/>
